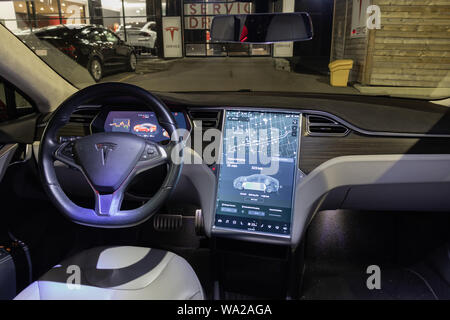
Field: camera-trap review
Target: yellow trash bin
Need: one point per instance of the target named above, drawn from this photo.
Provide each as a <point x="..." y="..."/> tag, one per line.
<point x="340" y="70"/>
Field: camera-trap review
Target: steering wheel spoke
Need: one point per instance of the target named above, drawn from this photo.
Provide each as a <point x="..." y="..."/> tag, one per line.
<point x="65" y="154"/>
<point x="153" y="155"/>
<point x="108" y="204"/>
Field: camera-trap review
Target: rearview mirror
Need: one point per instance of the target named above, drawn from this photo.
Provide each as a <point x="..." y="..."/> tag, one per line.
<point x="262" y="27"/>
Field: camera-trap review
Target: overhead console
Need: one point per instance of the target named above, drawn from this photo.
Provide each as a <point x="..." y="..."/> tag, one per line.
<point x="257" y="174"/>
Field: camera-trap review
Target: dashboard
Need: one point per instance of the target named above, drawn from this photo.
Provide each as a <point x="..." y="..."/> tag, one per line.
<point x="329" y="158"/>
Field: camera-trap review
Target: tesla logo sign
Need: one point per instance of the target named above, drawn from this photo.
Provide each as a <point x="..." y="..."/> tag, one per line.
<point x="105" y="149"/>
<point x="172" y="37"/>
<point x="172" y="30"/>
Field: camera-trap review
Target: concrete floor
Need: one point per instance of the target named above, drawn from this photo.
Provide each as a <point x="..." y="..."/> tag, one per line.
<point x="226" y="74"/>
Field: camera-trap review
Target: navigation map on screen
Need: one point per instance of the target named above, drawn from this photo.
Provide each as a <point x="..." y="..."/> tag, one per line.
<point x="257" y="173"/>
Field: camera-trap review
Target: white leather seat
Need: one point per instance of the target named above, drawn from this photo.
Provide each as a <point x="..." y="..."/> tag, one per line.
<point x="118" y="273"/>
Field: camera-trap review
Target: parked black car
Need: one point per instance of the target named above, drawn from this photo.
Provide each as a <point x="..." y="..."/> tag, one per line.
<point x="94" y="47"/>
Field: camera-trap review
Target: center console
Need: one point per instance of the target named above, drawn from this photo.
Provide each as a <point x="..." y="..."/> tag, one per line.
<point x="257" y="174"/>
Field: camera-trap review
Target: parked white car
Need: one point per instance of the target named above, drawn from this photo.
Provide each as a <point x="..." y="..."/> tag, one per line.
<point x="142" y="38"/>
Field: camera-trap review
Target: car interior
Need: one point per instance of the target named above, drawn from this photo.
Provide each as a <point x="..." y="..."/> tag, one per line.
<point x="129" y="193"/>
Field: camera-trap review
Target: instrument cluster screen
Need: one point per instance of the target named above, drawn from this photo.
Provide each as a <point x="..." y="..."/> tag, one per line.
<point x="257" y="172"/>
<point x="141" y="123"/>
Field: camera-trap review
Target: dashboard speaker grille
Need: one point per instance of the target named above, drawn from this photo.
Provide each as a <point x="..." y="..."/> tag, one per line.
<point x="325" y="127"/>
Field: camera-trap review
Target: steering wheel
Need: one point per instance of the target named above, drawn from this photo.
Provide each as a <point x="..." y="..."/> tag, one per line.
<point x="109" y="161"/>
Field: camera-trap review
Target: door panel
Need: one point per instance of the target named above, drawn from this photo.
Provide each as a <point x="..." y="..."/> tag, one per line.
<point x="20" y="130"/>
<point x="6" y="154"/>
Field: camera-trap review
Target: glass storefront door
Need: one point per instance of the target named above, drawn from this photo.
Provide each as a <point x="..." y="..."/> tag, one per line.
<point x="23" y="16"/>
<point x="198" y="15"/>
<point x="136" y="21"/>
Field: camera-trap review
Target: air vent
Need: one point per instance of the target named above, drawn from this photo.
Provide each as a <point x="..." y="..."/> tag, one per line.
<point x="323" y="126"/>
<point x="83" y="116"/>
<point x="206" y="119"/>
<point x="319" y="119"/>
<point x="81" y="119"/>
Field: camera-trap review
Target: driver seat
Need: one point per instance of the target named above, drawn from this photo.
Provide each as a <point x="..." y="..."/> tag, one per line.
<point x="118" y="273"/>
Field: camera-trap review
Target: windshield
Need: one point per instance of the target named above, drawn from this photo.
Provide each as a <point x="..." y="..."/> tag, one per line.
<point x="359" y="47"/>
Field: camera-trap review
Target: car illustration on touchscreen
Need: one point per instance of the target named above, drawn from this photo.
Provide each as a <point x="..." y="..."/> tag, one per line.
<point x="257" y="182"/>
<point x="144" y="127"/>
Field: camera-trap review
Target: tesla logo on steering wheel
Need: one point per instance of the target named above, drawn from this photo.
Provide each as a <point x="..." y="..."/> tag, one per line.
<point x="105" y="148"/>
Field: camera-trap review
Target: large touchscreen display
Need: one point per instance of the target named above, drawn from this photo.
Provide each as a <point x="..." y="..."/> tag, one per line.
<point x="141" y="123"/>
<point x="257" y="172"/>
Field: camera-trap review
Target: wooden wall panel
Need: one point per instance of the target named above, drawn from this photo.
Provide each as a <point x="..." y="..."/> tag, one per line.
<point x="412" y="48"/>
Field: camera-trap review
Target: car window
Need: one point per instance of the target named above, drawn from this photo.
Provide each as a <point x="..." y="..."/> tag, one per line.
<point x="22" y="104"/>
<point x="12" y="103"/>
<point x="110" y="37"/>
<point x="3" y="110"/>
<point x="359" y="47"/>
<point x="95" y="36"/>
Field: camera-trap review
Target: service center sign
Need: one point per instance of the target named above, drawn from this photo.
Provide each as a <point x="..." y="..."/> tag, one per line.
<point x="201" y="14"/>
<point x="285" y="49"/>
<point x="359" y="18"/>
<point x="172" y="37"/>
